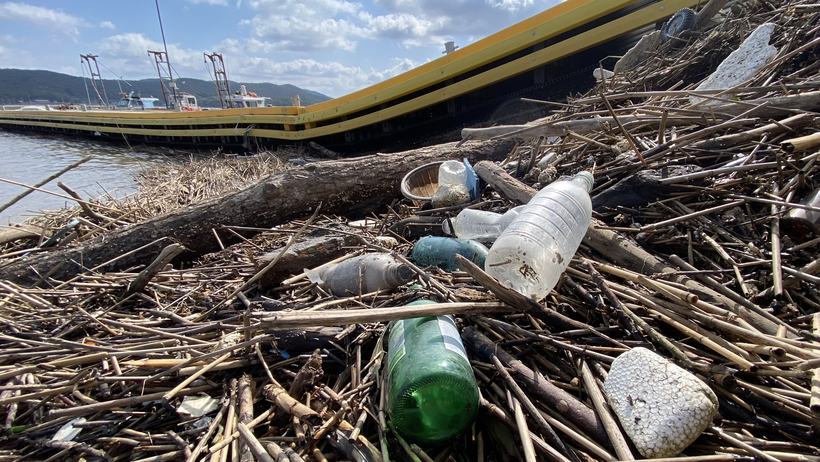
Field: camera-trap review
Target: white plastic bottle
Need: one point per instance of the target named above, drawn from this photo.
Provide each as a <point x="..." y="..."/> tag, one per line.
<point x="480" y="225"/>
<point x="537" y="246"/>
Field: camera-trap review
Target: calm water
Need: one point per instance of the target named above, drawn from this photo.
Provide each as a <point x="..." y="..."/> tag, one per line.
<point x="29" y="159"/>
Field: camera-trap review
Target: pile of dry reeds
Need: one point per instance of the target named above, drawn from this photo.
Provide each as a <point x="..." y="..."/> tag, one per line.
<point x="689" y="256"/>
<point x="162" y="188"/>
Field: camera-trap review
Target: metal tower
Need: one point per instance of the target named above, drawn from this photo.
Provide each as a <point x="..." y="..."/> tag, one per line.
<point x="161" y="61"/>
<point x="220" y="79"/>
<point x="96" y="79"/>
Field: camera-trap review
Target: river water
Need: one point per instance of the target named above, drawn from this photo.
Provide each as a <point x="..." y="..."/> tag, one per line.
<point x="29" y="159"/>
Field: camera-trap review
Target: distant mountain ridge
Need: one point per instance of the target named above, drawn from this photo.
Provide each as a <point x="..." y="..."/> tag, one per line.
<point x="21" y="86"/>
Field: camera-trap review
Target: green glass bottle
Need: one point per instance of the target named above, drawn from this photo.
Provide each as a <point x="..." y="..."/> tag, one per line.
<point x="432" y="394"/>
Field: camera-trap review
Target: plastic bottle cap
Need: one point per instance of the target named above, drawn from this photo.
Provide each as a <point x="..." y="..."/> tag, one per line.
<point x="405" y="273"/>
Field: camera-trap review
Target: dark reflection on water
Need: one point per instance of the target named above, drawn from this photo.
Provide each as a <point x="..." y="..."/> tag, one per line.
<point x="30" y="159"/>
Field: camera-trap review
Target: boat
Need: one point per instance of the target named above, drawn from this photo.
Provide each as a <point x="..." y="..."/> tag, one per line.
<point x="186" y="101"/>
<point x="245" y="98"/>
<point x="242" y="98"/>
<point x="133" y="100"/>
<point x="546" y="56"/>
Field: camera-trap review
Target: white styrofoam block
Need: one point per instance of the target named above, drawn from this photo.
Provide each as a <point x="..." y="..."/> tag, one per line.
<point x="742" y="64"/>
<point x="661" y="406"/>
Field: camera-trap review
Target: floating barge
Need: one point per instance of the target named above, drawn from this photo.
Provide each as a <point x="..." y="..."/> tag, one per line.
<point x="546" y="56"/>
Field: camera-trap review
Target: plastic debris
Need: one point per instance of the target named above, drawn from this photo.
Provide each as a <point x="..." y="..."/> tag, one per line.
<point x="198" y="405"/>
<point x="662" y="407"/>
<point x="742" y="64"/>
<point x="68" y="431"/>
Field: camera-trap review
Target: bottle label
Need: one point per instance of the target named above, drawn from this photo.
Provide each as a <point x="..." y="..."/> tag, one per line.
<point x="395" y="349"/>
<point x="450" y="336"/>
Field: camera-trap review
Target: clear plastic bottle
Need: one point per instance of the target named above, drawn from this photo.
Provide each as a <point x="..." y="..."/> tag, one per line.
<point x="442" y="251"/>
<point x="432" y="392"/>
<point x="537" y="246"/>
<point x="481" y="225"/>
<point x="370" y="272"/>
<point x="452" y="172"/>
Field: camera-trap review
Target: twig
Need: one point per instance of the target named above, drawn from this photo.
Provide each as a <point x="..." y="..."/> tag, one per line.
<point x="523" y="432"/>
<point x="253" y="443"/>
<point x="623" y="130"/>
<point x="122" y="402"/>
<point x="566" y="404"/>
<point x="346" y="317"/>
<point x="533" y="411"/>
<point x="211" y="429"/>
<point x="83" y="204"/>
<point x="615" y="436"/>
<point x="41" y="183"/>
<point x="168" y="253"/>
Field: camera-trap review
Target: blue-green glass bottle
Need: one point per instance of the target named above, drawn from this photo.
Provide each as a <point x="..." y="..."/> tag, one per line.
<point x="442" y="251"/>
<point x="432" y="392"/>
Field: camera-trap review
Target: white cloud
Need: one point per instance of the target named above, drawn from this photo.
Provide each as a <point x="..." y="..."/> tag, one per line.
<point x="128" y="54"/>
<point x="70" y="70"/>
<point x="330" y="78"/>
<point x="301" y="8"/>
<point x="509" y="5"/>
<point x="297" y="25"/>
<point x="107" y="25"/>
<point x="210" y="2"/>
<point x="430" y="7"/>
<point x="279" y="33"/>
<point x="282" y="28"/>
<point x="230" y="46"/>
<point x="292" y="25"/>
<point x="408" y="29"/>
<point x="53" y="19"/>
<point x="477" y="18"/>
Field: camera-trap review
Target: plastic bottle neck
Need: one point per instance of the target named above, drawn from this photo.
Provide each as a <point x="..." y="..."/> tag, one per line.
<point x="585" y="179"/>
<point x="398" y="274"/>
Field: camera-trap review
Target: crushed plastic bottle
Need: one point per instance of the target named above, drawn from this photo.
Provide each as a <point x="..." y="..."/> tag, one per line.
<point x="537" y="246"/>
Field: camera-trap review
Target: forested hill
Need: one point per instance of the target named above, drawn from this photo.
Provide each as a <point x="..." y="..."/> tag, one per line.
<point x="23" y="86"/>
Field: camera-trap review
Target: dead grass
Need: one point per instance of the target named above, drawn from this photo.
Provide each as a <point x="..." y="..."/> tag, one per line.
<point x="161" y="188"/>
<point x="168" y="187"/>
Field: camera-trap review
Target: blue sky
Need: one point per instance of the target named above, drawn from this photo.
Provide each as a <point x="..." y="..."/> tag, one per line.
<point x="331" y="46"/>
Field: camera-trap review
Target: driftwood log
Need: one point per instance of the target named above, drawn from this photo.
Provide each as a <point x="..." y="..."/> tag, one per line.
<point x="351" y="187"/>
<point x="512" y="188"/>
